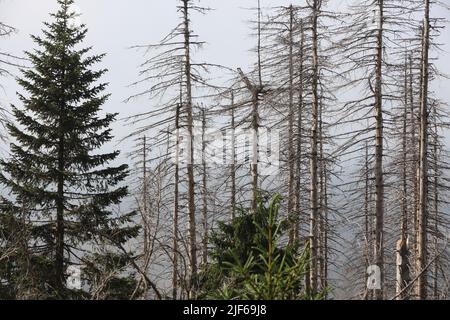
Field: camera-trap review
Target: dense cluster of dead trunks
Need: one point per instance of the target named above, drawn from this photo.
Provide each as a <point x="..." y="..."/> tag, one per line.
<point x="344" y="90"/>
<point x="307" y="57"/>
<point x="400" y="184"/>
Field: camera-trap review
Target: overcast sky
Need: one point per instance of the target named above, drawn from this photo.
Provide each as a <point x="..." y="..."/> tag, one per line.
<point x="115" y="25"/>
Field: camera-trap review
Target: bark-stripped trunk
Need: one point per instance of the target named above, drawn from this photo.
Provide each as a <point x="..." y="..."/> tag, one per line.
<point x="402" y="268"/>
<point x="414" y="166"/>
<point x="255" y="150"/>
<point x="325" y="230"/>
<point x="255" y="92"/>
<point x="145" y="195"/>
<point x="379" y="179"/>
<point x="233" y="160"/>
<point x="402" y="274"/>
<point x="422" y="215"/>
<point x="322" y="225"/>
<point x="299" y="151"/>
<point x="175" y="204"/>
<point x="291" y="151"/>
<point x="404" y="164"/>
<point x="190" y="165"/>
<point x="314" y="205"/>
<point x="255" y="118"/>
<point x="367" y="221"/>
<point x="436" y="207"/>
<point x="204" y="194"/>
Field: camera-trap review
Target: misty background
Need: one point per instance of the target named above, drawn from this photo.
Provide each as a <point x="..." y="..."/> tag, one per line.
<point x="116" y="25"/>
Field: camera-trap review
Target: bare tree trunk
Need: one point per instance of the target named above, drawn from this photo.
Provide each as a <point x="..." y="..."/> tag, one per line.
<point x="298" y="193"/>
<point x="325" y="230"/>
<point x="175" y="204"/>
<point x="379" y="180"/>
<point x="255" y="117"/>
<point x="436" y="208"/>
<point x="404" y="164"/>
<point x="233" y="159"/>
<point x="204" y="194"/>
<point x="414" y="168"/>
<point x="314" y="206"/>
<point x="291" y="159"/>
<point x="145" y="195"/>
<point x="255" y="149"/>
<point x="255" y="92"/>
<point x="403" y="276"/>
<point x="190" y="165"/>
<point x="367" y="221"/>
<point x="322" y="232"/>
<point x="422" y="216"/>
<point x="402" y="268"/>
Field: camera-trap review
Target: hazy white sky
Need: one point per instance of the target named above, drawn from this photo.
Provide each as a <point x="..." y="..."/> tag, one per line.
<point x="115" y="25"/>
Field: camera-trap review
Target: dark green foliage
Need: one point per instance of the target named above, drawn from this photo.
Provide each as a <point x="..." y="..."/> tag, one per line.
<point x="249" y="261"/>
<point x="63" y="186"/>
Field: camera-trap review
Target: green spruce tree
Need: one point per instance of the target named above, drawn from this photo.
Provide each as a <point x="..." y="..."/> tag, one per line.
<point x="57" y="174"/>
<point x="250" y="262"/>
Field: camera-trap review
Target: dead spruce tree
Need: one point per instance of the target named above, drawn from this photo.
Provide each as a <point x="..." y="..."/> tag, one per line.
<point x="428" y="154"/>
<point x="316" y="6"/>
<point x="321" y="161"/>
<point x="419" y="124"/>
<point x="404" y="124"/>
<point x="149" y="177"/>
<point x="284" y="56"/>
<point x="173" y="75"/>
<point x="386" y="56"/>
<point x="288" y="68"/>
<point x="359" y="219"/>
<point x="422" y="213"/>
<point x="243" y="100"/>
<point x="365" y="65"/>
